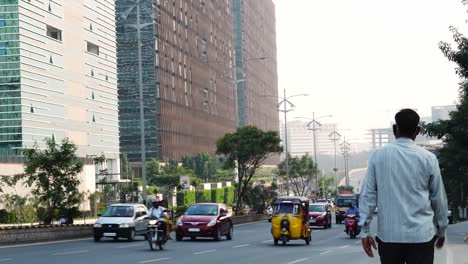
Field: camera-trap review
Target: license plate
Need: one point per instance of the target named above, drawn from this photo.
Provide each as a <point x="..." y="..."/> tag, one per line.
<point x="194" y="229"/>
<point x="312" y="220"/>
<point x="109" y="234"/>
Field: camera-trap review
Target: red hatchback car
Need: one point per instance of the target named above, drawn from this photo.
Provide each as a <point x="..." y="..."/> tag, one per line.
<point x="205" y="220"/>
<point x="319" y="215"/>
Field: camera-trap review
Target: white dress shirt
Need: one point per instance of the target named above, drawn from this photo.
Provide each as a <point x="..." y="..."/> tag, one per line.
<point x="403" y="180"/>
<point x="157" y="212"/>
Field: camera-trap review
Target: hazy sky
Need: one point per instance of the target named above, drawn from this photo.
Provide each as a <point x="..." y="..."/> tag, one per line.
<point x="361" y="60"/>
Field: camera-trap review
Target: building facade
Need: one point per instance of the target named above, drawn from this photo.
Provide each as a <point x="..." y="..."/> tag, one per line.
<point x="189" y="79"/>
<point x="256" y="71"/>
<point x="58" y="77"/>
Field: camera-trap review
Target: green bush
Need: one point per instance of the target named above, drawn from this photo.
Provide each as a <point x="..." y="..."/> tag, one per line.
<point x="8" y="218"/>
<point x="217" y="195"/>
<point x="228" y="195"/>
<point x="27" y="214"/>
<point x="185" y="198"/>
<point x="203" y="196"/>
<point x="41" y="213"/>
<point x="151" y="190"/>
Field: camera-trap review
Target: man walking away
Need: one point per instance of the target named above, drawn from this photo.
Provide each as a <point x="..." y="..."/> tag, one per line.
<point x="404" y="181"/>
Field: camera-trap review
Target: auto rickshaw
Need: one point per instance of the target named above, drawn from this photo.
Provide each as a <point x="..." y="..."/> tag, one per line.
<point x="291" y="220"/>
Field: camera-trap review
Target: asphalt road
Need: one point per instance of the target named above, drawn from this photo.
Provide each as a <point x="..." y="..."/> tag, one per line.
<point x="252" y="243"/>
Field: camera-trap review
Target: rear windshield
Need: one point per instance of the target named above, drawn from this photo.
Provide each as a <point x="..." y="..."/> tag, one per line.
<point x="316" y="208"/>
<point x="286" y="208"/>
<point x="206" y="209"/>
<point x="118" y="211"/>
<point x="345" y="202"/>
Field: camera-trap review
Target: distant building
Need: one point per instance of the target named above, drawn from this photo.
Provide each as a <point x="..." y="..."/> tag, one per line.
<point x="301" y="139"/>
<point x="442" y="112"/>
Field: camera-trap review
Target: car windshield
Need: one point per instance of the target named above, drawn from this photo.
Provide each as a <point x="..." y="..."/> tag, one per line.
<point x="344" y="202"/>
<point x="202" y="210"/>
<point x="316" y="208"/>
<point x="286" y="208"/>
<point x="118" y="211"/>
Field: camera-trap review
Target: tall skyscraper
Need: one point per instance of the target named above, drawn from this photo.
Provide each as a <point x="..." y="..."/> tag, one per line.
<point x="257" y="79"/>
<point x="190" y="75"/>
<point x="58" y="76"/>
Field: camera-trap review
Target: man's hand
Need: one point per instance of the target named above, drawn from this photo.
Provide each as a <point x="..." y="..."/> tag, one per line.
<point x="440" y="242"/>
<point x="367" y="242"/>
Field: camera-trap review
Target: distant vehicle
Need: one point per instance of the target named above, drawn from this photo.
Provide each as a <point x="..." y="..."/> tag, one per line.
<point x="342" y="202"/>
<point x="269" y="213"/>
<point x="205" y="220"/>
<point x="319" y="215"/>
<point x="122" y="220"/>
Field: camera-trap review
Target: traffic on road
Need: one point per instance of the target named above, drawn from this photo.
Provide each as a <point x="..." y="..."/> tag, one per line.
<point x="248" y="243"/>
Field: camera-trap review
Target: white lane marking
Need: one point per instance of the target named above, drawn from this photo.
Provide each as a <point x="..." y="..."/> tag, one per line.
<point x="45" y="243"/>
<point x="202" y="252"/>
<point x="296" y="261"/>
<point x="137" y="245"/>
<point x="71" y="252"/>
<point x="345" y="246"/>
<point x="153" y="260"/>
<point x="357" y="242"/>
<point x="325" y="252"/>
<point x="6" y="259"/>
<point x="267" y="241"/>
<point x="245" y="245"/>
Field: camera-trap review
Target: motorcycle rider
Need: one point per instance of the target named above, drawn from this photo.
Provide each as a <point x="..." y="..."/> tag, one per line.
<point x="353" y="210"/>
<point x="157" y="211"/>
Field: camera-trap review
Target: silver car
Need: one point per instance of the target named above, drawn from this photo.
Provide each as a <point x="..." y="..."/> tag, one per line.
<point x="122" y="220"/>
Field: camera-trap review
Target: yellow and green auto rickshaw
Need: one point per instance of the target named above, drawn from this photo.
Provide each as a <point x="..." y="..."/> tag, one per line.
<point x="291" y="220"/>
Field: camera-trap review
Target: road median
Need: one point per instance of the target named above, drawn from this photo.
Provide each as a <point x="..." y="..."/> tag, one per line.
<point x="12" y="235"/>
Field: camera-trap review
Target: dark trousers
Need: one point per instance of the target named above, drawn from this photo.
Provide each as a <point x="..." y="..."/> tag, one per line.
<point x="409" y="253"/>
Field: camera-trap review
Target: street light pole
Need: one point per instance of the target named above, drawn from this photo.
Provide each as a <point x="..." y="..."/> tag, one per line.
<point x="286" y="146"/>
<point x="285" y="100"/>
<point x="142" y="110"/>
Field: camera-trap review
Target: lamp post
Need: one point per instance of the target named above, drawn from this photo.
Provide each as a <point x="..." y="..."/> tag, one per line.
<point x="345" y="147"/>
<point x="335" y="137"/>
<point x="315" y="126"/>
<point x="285" y="101"/>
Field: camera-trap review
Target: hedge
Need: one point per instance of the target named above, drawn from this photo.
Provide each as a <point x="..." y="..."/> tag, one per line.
<point x="228" y="195"/>
<point x="203" y="196"/>
<point x="217" y="195"/>
<point x="185" y="198"/>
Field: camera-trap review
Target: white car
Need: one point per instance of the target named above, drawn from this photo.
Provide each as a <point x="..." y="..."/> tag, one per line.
<point x="122" y="220"/>
<point x="270" y="213"/>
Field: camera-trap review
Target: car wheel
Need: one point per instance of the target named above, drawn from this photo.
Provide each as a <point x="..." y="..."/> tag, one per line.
<point x="217" y="236"/>
<point x="230" y="234"/>
<point x="307" y="240"/>
<point x="97" y="238"/>
<point x="269" y="220"/>
<point x="275" y="241"/>
<point x="131" y="237"/>
<point x="179" y="237"/>
<point x="337" y="222"/>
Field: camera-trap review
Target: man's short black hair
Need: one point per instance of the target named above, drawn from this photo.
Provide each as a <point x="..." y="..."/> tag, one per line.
<point x="407" y="121"/>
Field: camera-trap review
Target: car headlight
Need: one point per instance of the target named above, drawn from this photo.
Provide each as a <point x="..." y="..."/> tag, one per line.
<point x="124" y="225"/>
<point x="97" y="225"/>
<point x="212" y="222"/>
<point x="179" y="222"/>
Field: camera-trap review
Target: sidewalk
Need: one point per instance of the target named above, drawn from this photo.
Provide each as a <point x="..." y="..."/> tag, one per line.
<point x="454" y="250"/>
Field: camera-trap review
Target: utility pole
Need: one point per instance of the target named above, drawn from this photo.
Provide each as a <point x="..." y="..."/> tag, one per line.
<point x="286" y="147"/>
<point x="335" y="138"/>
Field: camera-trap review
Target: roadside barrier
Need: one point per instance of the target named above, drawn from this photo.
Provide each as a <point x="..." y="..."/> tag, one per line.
<point x="12" y="235"/>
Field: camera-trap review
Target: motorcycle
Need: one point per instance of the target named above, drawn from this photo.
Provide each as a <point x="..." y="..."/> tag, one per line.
<point x="351" y="227"/>
<point x="156" y="234"/>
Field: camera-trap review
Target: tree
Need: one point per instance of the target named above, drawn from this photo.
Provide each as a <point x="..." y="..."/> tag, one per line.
<point x="203" y="165"/>
<point x="153" y="170"/>
<point x="249" y="147"/>
<point x="52" y="174"/>
<point x="301" y="173"/>
<point x="453" y="157"/>
<point x="259" y="197"/>
<point x="125" y="171"/>
<point x="324" y="184"/>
